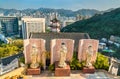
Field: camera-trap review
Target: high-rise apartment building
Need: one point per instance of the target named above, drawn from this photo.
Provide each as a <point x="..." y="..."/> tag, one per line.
<point x="35" y="25"/>
<point x="9" y="26"/>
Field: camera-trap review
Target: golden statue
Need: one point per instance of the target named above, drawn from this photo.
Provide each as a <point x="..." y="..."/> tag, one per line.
<point x="63" y="52"/>
<point x="89" y="53"/>
<point x="34" y="57"/>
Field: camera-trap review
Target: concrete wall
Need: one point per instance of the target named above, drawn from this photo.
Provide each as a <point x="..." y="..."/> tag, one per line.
<point x="49" y="36"/>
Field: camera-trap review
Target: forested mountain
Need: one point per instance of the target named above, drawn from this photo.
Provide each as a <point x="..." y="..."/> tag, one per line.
<point x="98" y="26"/>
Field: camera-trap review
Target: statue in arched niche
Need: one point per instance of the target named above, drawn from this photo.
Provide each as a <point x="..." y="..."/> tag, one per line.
<point x="34" y="57"/>
<point x="89" y="54"/>
<point x="63" y="52"/>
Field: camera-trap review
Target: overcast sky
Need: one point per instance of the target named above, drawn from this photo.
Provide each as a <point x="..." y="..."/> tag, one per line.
<point x="58" y="4"/>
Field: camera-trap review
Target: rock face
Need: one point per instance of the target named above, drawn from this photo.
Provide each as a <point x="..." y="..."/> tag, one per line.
<point x="40" y="46"/>
<point x="55" y="47"/>
<point x="83" y="47"/>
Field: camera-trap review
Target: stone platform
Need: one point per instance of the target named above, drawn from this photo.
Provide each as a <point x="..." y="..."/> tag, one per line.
<point x="62" y="71"/>
<point x="88" y="69"/>
<point x="35" y="71"/>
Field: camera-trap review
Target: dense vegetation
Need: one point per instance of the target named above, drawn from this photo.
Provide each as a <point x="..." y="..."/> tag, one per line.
<point x="99" y="26"/>
<point x="75" y="64"/>
<point x="102" y="62"/>
<point x="10" y="49"/>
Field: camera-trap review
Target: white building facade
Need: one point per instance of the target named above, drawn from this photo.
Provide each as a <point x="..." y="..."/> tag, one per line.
<point x="35" y="25"/>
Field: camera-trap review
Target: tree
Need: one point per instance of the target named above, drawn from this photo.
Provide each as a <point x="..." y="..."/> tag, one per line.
<point x="10" y="49"/>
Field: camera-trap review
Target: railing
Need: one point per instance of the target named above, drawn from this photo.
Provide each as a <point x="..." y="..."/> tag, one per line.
<point x="114" y="66"/>
<point x="9" y="67"/>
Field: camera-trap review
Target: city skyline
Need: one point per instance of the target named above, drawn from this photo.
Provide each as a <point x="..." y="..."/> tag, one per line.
<point x="60" y="4"/>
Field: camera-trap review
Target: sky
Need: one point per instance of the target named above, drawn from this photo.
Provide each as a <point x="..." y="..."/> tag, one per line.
<point x="60" y="4"/>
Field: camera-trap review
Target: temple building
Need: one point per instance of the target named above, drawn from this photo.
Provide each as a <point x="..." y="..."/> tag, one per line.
<point x="55" y="25"/>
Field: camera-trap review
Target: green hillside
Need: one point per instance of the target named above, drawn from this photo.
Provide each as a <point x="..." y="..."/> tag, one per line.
<point x="99" y="26"/>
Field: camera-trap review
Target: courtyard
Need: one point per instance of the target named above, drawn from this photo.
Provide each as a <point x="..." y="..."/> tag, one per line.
<point x="75" y="74"/>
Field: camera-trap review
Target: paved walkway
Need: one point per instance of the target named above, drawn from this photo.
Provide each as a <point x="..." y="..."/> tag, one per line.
<point x="17" y="71"/>
<point x="75" y="74"/>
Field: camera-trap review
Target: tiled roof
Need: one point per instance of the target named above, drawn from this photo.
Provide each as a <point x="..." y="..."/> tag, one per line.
<point x="7" y="60"/>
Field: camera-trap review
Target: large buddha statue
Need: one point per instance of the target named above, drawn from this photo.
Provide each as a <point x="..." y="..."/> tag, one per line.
<point x="34" y="57"/>
<point x="89" y="54"/>
<point x="63" y="52"/>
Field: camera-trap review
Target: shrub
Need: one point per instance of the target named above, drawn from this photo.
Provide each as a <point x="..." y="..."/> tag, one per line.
<point x="51" y="67"/>
<point x="28" y="65"/>
<point x="22" y="59"/>
<point x="101" y="62"/>
<point x="41" y="64"/>
<point x="75" y="64"/>
<point x="47" y="53"/>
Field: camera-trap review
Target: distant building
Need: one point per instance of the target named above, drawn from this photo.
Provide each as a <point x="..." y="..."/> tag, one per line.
<point x="115" y="39"/>
<point x="20" y="26"/>
<point x="9" y="26"/>
<point x="1" y="14"/>
<point x="104" y="40"/>
<point x="35" y="25"/>
<point x="67" y="22"/>
<point x="37" y="14"/>
<point x="102" y="46"/>
<point x="55" y="25"/>
<point x="79" y="17"/>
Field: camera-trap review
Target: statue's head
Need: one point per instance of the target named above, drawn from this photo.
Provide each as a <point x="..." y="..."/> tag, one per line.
<point x="90" y="47"/>
<point x="63" y="43"/>
<point x="33" y="46"/>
